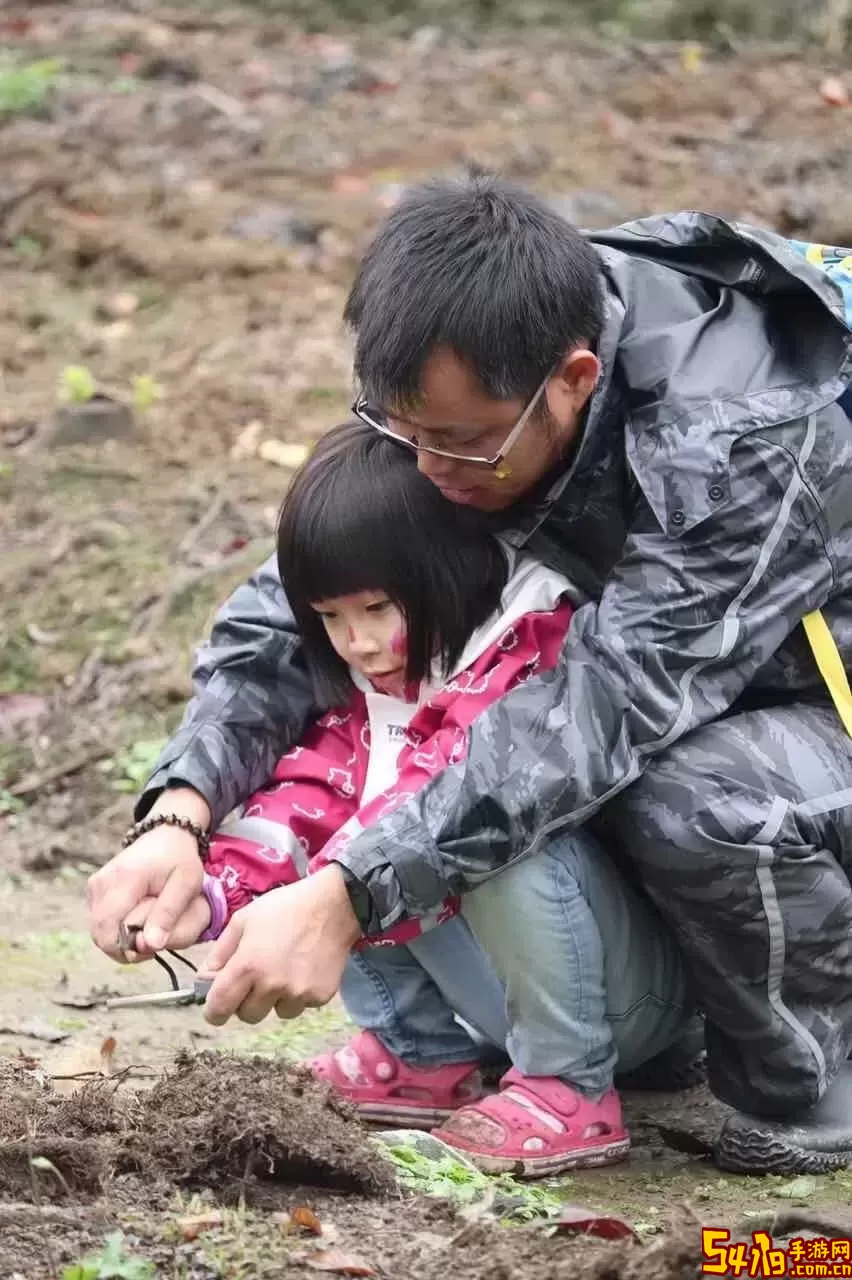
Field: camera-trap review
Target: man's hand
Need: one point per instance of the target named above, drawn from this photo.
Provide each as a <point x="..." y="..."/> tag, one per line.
<point x="286" y="950"/>
<point x="186" y="930"/>
<point x="163" y="865"/>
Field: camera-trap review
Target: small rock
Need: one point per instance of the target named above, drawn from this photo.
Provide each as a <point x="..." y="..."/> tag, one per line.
<point x="91" y="422"/>
<point x="586" y="208"/>
<point x="118" y="306"/>
<point x="169" y="67"/>
<point x="275" y="224"/>
<point x="834" y="92"/>
<point x="425" y="40"/>
<point x="34" y="1029"/>
<point x="158" y="36"/>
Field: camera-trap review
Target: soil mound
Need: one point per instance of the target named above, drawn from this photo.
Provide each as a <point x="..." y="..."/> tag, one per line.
<point x="213" y="1121"/>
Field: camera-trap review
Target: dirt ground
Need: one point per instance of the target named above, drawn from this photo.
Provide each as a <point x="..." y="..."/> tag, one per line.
<point x="183" y="197"/>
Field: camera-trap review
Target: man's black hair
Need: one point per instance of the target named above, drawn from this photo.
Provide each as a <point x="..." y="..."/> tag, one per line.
<point x="359" y="516"/>
<point x="483" y="267"/>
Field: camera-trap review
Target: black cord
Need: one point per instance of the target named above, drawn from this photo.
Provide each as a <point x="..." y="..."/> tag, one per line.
<point x="128" y="940"/>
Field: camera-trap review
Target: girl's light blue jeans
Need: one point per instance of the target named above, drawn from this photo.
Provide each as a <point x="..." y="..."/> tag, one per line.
<point x="558" y="960"/>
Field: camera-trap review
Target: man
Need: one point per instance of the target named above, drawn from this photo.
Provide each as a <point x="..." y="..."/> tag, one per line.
<point x="686" y="462"/>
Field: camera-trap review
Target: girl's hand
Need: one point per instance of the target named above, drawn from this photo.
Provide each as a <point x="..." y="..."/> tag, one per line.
<point x="287" y="950"/>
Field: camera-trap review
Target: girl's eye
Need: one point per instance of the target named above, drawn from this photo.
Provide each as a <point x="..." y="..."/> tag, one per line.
<point x="378" y="606"/>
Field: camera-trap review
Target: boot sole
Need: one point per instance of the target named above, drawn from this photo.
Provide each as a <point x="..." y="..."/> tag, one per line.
<point x="747" y="1150"/>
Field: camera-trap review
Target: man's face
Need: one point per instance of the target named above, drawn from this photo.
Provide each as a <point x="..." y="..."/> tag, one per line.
<point x="456" y="415"/>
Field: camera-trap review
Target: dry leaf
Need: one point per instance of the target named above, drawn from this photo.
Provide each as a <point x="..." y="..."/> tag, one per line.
<point x="307" y="1220"/>
<point x="108" y="1049"/>
<point x="834" y="92"/>
<point x="191" y="1227"/>
<point x="245" y="445"/>
<point x="585" y="1221"/>
<point x="692" y="58"/>
<point x="283" y="454"/>
<point x="342" y="1264"/>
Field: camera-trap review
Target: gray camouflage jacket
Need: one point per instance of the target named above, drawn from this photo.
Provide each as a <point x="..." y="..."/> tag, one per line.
<point x="707" y="508"/>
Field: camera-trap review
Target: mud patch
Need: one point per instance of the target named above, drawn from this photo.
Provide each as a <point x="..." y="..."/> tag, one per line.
<point x="218" y="1120"/>
<point x="213" y="1121"/>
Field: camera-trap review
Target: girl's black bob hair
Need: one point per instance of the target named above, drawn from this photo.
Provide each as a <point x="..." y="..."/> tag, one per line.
<point x="359" y="516"/>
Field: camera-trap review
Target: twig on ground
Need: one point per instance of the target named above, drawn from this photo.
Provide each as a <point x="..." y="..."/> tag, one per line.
<point x="224" y="102"/>
<point x="157" y="613"/>
<point x="138" y="1072"/>
<point x="34" y="782"/>
<point x="16" y="1211"/>
<point x="86" y="677"/>
<point x="209" y="518"/>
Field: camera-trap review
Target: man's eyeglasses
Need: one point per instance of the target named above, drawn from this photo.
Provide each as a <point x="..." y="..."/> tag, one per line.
<point x="376" y="419"/>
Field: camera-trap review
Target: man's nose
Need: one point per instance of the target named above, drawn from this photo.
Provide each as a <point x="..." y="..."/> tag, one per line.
<point x="435" y="468"/>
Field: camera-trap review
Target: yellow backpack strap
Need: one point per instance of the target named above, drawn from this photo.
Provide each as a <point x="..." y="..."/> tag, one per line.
<point x="830" y="665"/>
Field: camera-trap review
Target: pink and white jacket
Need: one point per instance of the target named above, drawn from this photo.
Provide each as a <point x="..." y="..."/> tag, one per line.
<point x="358" y="762"/>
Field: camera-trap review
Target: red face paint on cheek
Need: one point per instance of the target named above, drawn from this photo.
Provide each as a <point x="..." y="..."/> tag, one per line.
<point x="399" y="643"/>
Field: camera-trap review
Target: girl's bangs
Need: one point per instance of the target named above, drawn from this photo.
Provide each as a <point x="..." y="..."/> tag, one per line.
<point x="346" y="553"/>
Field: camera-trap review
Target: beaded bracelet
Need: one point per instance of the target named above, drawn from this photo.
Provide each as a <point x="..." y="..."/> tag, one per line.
<point x="202" y="837"/>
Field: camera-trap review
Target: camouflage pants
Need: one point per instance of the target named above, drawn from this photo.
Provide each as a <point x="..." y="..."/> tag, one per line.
<point x="742" y="835"/>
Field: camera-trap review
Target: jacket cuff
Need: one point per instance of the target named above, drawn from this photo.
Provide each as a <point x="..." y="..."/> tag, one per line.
<point x="385" y="893"/>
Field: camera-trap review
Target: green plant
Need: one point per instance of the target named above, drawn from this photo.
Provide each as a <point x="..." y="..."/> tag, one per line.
<point x="25" y="89"/>
<point x="76" y="384"/>
<point x="112" y="1263"/>
<point x="452" y="1180"/>
<point x="131" y="769"/>
<point x="27" y="247"/>
<point x="146" y="391"/>
<point x="9" y="803"/>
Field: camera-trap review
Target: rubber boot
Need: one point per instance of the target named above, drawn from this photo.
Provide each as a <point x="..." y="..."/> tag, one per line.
<point x="814" y="1141"/>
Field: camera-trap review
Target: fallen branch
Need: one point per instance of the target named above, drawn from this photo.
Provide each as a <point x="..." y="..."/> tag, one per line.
<point x="157" y="613"/>
<point x="35" y="782"/>
<point x="198" y="530"/>
<point x="15" y="1212"/>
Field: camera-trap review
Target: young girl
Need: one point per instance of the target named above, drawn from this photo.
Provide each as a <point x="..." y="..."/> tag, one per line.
<point x="413" y="619"/>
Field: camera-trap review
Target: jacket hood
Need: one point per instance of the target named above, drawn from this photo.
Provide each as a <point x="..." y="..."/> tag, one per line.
<point x="718" y="313"/>
<point x="711" y="329"/>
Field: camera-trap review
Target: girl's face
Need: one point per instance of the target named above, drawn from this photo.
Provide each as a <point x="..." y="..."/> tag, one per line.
<point x="367" y="631"/>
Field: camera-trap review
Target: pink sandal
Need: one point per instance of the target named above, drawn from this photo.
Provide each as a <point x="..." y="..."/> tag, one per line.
<point x="384" y="1088"/>
<point x="536" y="1126"/>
